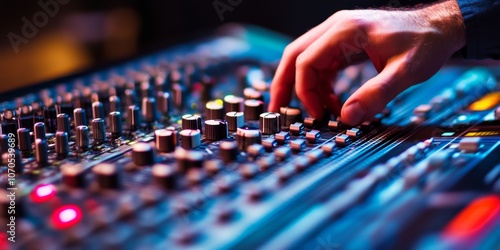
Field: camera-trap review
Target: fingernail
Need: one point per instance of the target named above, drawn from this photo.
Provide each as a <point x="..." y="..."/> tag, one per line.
<point x="354" y="114"/>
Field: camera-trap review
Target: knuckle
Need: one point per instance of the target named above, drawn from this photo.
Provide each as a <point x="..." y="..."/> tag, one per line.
<point x="303" y="61"/>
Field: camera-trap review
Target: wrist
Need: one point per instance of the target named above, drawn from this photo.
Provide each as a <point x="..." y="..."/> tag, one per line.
<point x="446" y="17"/>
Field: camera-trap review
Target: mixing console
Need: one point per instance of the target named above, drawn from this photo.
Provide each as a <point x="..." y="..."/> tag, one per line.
<point x="176" y="150"/>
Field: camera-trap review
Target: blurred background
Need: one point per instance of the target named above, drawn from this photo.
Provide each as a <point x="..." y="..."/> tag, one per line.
<point x="46" y="39"/>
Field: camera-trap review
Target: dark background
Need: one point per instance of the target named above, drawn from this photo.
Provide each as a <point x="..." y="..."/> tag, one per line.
<point x="83" y="34"/>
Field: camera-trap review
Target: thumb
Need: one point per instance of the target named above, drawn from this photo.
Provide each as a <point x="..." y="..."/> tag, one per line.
<point x="372" y="97"/>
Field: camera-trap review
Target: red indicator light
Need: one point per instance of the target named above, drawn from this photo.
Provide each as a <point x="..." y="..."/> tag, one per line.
<point x="66" y="217"/>
<point x="474" y="218"/>
<point x="43" y="193"/>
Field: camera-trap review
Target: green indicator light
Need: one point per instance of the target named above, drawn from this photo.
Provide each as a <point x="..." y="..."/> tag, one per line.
<point x="448" y="134"/>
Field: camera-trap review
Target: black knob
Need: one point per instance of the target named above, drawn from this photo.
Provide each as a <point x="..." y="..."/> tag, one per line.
<point x="115" y="123"/>
<point x="248" y="136"/>
<point x="235" y="120"/>
<point x="98" y="110"/>
<point x="98" y="131"/>
<point x="82" y="138"/>
<point x="165" y="140"/>
<point x="190" y="139"/>
<point x="80" y="117"/>
<point x="143" y="154"/>
<point x="107" y="176"/>
<point x="73" y="176"/>
<point x="290" y="115"/>
<point x="41" y="151"/>
<point x="149" y="109"/>
<point x="192" y="122"/>
<point x="164" y="176"/>
<point x="269" y="123"/>
<point x="229" y="151"/>
<point x="40" y="131"/>
<point x="233" y="103"/>
<point x="114" y="104"/>
<point x="63" y="123"/>
<point x="215" y="130"/>
<point x="24" y="140"/>
<point x="253" y="109"/>
<point x="133" y="118"/>
<point x="214" y="111"/>
<point x="62" y="145"/>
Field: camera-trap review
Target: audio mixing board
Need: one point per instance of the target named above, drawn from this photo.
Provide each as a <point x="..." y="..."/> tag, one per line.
<point x="175" y="150"/>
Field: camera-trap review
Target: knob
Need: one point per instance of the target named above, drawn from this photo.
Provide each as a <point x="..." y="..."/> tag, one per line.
<point x="133" y="118"/>
<point x="73" y="176"/>
<point x="40" y="131"/>
<point x="247" y="136"/>
<point x="215" y="130"/>
<point x="190" y="139"/>
<point x="4" y="144"/>
<point x="106" y="176"/>
<point x="187" y="159"/>
<point x="253" y="108"/>
<point x="17" y="165"/>
<point x="269" y="123"/>
<point x="80" y="117"/>
<point x="41" y="151"/>
<point x="229" y="151"/>
<point x="235" y="120"/>
<point x="115" y="122"/>
<point x="215" y="111"/>
<point x="142" y="154"/>
<point x="24" y="140"/>
<point x="178" y="96"/>
<point x="290" y="115"/>
<point x="130" y="97"/>
<point x="63" y="123"/>
<point x="98" y="131"/>
<point x="164" y="176"/>
<point x="114" y="104"/>
<point x="82" y="138"/>
<point x="163" y="103"/>
<point x="252" y="94"/>
<point x="149" y="109"/>
<point x="49" y="119"/>
<point x="62" y="146"/>
<point x="97" y="110"/>
<point x="192" y="122"/>
<point x="165" y="140"/>
<point x="233" y="103"/>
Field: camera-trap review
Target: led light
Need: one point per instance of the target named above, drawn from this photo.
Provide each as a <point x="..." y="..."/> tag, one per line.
<point x="66" y="216"/>
<point x="473" y="219"/>
<point x="487" y="102"/>
<point x="43" y="193"/>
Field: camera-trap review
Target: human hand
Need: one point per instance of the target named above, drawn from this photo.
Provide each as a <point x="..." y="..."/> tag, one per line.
<point x="406" y="46"/>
